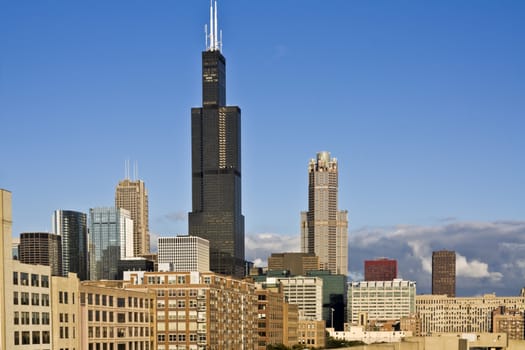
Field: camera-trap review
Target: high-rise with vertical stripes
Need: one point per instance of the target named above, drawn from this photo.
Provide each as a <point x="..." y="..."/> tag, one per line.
<point x="216" y="164"/>
<point x="324" y="229"/>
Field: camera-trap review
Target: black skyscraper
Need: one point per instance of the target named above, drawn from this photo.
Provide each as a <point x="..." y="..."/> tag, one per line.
<point x="216" y="166"/>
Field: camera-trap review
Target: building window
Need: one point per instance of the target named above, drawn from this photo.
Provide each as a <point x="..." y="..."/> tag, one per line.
<point x="25" y="338"/>
<point x="15" y="278"/>
<point x="35" y="318"/>
<point x="45" y="337"/>
<point x="161" y="338"/>
<point x="45" y="317"/>
<point x="15" y="298"/>
<point x="34" y="283"/>
<point x="90" y="315"/>
<point x="90" y="299"/>
<point x="16" y="318"/>
<point x="17" y="338"/>
<point x="45" y="299"/>
<point x="121" y="302"/>
<point x="24" y="278"/>
<point x="35" y="298"/>
<point x="60" y="297"/>
<point x="24" y="298"/>
<point x="36" y="337"/>
<point x="97" y="299"/>
<point x="45" y="284"/>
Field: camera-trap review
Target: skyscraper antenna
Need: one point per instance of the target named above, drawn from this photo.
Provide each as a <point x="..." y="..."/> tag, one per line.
<point x="215" y="43"/>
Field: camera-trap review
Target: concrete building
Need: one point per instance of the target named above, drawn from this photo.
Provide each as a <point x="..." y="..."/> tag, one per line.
<point x="25" y="309"/>
<point x="65" y="312"/>
<point x="382" y="269"/>
<point x="184" y="253"/>
<point x="109" y="228"/>
<point x="41" y="248"/>
<point x="297" y="264"/>
<point x="311" y="333"/>
<point x="116" y="318"/>
<point x="133" y="196"/>
<point x="359" y="333"/>
<point x="444" y="273"/>
<point x="305" y="292"/>
<point x="201" y="310"/>
<point x="324" y="229"/>
<point x="216" y="168"/>
<point x="72" y="227"/>
<point x="510" y="322"/>
<point x="441" y="314"/>
<point x="412" y="324"/>
<point x="381" y="300"/>
<point x="290" y="324"/>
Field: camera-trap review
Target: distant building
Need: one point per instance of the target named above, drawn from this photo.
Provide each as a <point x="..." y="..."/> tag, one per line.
<point x="411" y="323"/>
<point x="133" y="196"/>
<point x="108" y="229"/>
<point x="72" y="227"/>
<point x="41" y="248"/>
<point x="381" y="300"/>
<point x="183" y="254"/>
<point x="311" y="333"/>
<point x="134" y="264"/>
<point x="380" y="269"/>
<point x="296" y="264"/>
<point x="360" y="333"/>
<point x="270" y="317"/>
<point x="444" y="273"/>
<point x="324" y="229"/>
<point x="441" y="314"/>
<point x="509" y="321"/>
<point x="306" y="293"/>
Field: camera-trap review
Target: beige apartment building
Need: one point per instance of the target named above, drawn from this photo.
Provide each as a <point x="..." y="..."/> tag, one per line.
<point x="290" y="324"/>
<point x="115" y="318"/>
<point x="510" y="322"/>
<point x="65" y="311"/>
<point x="201" y="310"/>
<point x="441" y="314"/>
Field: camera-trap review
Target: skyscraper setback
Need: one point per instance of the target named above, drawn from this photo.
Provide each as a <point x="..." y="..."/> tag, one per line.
<point x="324" y="229"/>
<point x="216" y="164"/>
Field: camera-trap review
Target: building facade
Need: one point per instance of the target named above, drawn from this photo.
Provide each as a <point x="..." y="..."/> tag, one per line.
<point x="41" y="248"/>
<point x="201" y="311"/>
<point x="324" y="229"/>
<point x="270" y="317"/>
<point x="216" y="166"/>
<point x="509" y="321"/>
<point x="442" y="314"/>
<point x="108" y="229"/>
<point x="311" y="333"/>
<point x="380" y="269"/>
<point x="334" y="298"/>
<point x="65" y="312"/>
<point x="72" y="227"/>
<point x="444" y="273"/>
<point x="305" y="292"/>
<point x="296" y="264"/>
<point x="133" y="196"/>
<point x="184" y="253"/>
<point x="381" y="300"/>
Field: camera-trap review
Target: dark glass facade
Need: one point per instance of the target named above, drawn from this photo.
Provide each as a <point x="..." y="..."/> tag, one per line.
<point x="216" y="171"/>
<point x="71" y="226"/>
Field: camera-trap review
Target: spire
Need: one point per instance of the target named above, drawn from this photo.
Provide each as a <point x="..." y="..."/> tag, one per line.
<point x="215" y="42"/>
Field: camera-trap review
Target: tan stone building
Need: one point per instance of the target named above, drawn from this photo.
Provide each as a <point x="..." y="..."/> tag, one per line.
<point x="311" y="333"/>
<point x="65" y="311"/>
<point x="115" y="318"/>
<point x="270" y="314"/>
<point x="133" y="196"/>
<point x="290" y="324"/>
<point x="201" y="310"/>
<point x="441" y="314"/>
<point x="411" y="323"/>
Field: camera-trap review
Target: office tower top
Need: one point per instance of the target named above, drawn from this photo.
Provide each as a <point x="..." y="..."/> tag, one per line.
<point x="216" y="165"/>
<point x="184" y="253"/>
<point x="133" y="196"/>
<point x="444" y="273"/>
<point x="380" y="269"/>
<point x="71" y="226"/>
<point x="324" y="229"/>
<point x="296" y="264"/>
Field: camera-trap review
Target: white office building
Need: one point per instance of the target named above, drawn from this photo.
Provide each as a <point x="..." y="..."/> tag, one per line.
<point x="184" y="254"/>
<point x="306" y="293"/>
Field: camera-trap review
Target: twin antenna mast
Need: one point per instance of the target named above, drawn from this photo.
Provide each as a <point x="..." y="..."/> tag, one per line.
<point x="135" y="170"/>
<point x="215" y="41"/>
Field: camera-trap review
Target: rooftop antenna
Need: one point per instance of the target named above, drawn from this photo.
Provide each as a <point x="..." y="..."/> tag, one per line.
<point x="136" y="171"/>
<point x="215" y="43"/>
<point x="126" y="169"/>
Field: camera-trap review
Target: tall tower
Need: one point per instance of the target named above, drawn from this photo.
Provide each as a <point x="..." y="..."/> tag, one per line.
<point x="132" y="196"/>
<point x="444" y="273"/>
<point x="324" y="229"/>
<point x="42" y="248"/>
<point x="216" y="164"/>
<point x="71" y="226"/>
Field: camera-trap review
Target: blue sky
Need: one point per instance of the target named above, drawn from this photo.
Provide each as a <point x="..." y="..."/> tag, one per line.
<point x="421" y="102"/>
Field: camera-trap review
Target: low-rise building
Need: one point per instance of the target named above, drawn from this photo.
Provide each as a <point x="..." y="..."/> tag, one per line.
<point x="311" y="333"/>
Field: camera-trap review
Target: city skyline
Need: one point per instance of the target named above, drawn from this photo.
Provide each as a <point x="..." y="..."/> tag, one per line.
<point x="426" y="100"/>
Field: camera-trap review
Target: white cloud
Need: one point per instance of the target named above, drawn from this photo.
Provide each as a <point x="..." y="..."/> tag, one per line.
<point x="475" y="269"/>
